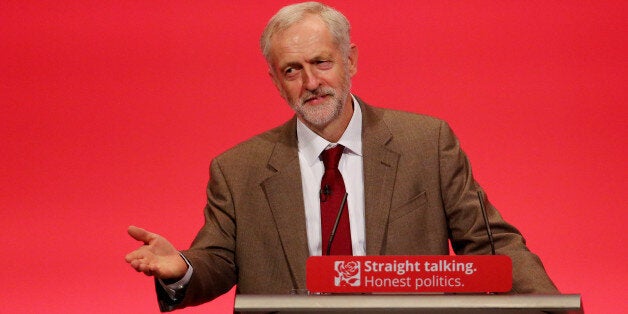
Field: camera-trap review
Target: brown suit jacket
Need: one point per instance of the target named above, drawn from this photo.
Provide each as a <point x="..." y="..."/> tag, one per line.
<point x="419" y="194"/>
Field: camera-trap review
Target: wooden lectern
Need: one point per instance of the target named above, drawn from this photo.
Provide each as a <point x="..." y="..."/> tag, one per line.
<point x="409" y="303"/>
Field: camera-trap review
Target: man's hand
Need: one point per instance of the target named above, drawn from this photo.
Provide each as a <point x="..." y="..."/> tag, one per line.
<point x="157" y="257"/>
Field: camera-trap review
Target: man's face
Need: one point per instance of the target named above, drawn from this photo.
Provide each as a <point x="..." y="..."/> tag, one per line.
<point x="311" y="72"/>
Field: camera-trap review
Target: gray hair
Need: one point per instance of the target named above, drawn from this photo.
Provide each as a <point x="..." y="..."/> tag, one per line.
<point x="337" y="24"/>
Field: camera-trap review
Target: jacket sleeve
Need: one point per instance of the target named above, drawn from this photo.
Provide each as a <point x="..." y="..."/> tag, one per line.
<point x="466" y="223"/>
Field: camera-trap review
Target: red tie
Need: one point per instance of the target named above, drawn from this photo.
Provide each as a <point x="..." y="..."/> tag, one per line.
<point x="332" y="194"/>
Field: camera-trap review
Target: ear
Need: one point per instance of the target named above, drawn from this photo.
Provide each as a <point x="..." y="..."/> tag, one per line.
<point x="353" y="60"/>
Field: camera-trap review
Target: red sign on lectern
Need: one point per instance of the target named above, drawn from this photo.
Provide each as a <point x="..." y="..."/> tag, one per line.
<point x="409" y="274"/>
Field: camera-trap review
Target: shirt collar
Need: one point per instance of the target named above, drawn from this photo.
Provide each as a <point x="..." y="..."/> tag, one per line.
<point x="311" y="144"/>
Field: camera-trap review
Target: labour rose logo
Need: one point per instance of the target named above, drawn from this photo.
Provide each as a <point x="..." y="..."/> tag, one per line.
<point x="348" y="274"/>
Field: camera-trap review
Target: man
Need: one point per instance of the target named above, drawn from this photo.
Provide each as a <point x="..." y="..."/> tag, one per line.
<point x="409" y="188"/>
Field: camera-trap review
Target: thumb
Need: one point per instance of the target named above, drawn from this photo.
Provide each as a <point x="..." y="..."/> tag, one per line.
<point x="140" y="234"/>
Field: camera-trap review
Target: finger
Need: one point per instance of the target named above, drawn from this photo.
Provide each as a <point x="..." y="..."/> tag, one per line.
<point x="149" y="269"/>
<point x="140" y="234"/>
<point x="133" y="256"/>
<point x="140" y="267"/>
<point x="136" y="264"/>
<point x="145" y="268"/>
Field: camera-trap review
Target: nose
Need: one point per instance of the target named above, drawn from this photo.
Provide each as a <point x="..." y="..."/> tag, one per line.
<point x="310" y="80"/>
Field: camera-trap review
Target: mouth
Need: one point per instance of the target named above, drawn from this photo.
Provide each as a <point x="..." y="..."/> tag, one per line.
<point x="316" y="100"/>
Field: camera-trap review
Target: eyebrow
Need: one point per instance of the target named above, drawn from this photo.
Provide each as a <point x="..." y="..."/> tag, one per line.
<point x="297" y="64"/>
<point x="322" y="56"/>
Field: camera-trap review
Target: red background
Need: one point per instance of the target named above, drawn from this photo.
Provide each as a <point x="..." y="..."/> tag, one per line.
<point x="111" y="111"/>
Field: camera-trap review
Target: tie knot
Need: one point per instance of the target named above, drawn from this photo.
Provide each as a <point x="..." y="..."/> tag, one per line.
<point x="331" y="157"/>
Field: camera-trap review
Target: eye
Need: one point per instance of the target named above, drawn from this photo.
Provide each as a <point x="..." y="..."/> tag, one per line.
<point x="290" y="72"/>
<point x="324" y="64"/>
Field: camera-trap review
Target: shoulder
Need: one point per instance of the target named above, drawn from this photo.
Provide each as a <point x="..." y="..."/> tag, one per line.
<point x="255" y="152"/>
<point x="252" y="149"/>
<point x="403" y="123"/>
<point x="402" y="119"/>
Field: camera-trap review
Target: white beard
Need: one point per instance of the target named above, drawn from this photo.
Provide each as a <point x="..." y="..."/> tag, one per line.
<point x="322" y="114"/>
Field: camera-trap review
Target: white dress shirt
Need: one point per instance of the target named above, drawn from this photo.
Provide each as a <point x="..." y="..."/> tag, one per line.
<point x="310" y="147"/>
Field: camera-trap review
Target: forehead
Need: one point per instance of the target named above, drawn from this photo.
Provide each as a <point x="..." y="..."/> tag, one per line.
<point x="309" y="38"/>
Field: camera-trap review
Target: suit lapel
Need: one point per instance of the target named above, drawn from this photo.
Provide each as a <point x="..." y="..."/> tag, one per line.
<point x="285" y="194"/>
<point x="380" y="170"/>
<point x="285" y="197"/>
